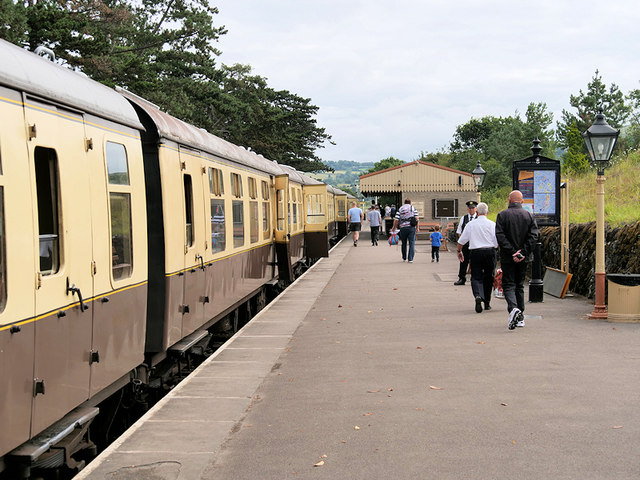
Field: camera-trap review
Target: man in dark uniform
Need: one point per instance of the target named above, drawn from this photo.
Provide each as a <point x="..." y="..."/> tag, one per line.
<point x="464" y="263"/>
<point x="517" y="233"/>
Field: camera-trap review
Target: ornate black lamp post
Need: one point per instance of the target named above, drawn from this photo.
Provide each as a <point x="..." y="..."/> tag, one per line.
<point x="600" y="139"/>
<point x="478" y="178"/>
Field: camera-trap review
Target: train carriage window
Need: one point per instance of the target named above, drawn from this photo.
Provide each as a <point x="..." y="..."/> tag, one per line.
<point x="236" y="185"/>
<point x="253" y="189"/>
<point x="280" y="209"/>
<point x="216" y="185"/>
<point x="218" y="231"/>
<point x="121" y="238"/>
<point x="238" y="223"/>
<point x="188" y="205"/>
<point x="265" y="219"/>
<point x="295" y="214"/>
<point x="315" y="212"/>
<point x="253" y="222"/>
<point x="117" y="164"/>
<point x="46" y="166"/>
<point x="265" y="190"/>
<point x="341" y="207"/>
<point x="3" y="263"/>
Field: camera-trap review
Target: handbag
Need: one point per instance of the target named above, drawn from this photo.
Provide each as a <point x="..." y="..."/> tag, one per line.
<point x="413" y="221"/>
<point x="393" y="239"/>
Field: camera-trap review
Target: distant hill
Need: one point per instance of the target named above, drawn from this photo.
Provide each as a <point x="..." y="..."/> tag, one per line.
<point x="345" y="175"/>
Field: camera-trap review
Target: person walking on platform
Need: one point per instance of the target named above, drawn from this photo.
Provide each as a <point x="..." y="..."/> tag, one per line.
<point x="464" y="220"/>
<point x="517" y="233"/>
<point x="436" y="241"/>
<point x="374" y="218"/>
<point x="407" y="221"/>
<point x="355" y="218"/>
<point x="480" y="236"/>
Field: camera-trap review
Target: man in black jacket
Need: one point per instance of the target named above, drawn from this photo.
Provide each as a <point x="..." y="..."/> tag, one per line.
<point x="517" y="233"/>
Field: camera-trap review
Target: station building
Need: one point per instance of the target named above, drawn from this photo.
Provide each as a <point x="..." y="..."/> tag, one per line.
<point x="438" y="193"/>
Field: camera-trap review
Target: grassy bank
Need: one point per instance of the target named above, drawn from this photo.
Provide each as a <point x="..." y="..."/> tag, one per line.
<point x="622" y="194"/>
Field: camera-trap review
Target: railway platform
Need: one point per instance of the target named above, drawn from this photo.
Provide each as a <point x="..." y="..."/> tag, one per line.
<point x="368" y="367"/>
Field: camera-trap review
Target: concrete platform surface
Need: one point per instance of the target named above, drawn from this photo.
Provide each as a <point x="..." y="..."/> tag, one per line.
<point x="370" y="367"/>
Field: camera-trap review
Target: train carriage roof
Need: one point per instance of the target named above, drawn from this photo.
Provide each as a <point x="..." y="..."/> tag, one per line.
<point x="176" y="130"/>
<point x="300" y="177"/>
<point x="24" y="70"/>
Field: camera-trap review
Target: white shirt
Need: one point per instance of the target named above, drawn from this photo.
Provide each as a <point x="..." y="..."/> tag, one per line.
<point x="481" y="233"/>
<point x="472" y="217"/>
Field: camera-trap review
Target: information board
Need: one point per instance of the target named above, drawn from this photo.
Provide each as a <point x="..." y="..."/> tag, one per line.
<point x="538" y="178"/>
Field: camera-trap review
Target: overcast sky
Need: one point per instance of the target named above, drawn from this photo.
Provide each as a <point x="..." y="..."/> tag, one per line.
<point x="395" y="77"/>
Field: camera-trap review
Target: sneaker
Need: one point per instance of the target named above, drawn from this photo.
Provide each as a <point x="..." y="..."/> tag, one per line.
<point x="459" y="282"/>
<point x="520" y="323"/>
<point x="410" y="261"/>
<point x="520" y="319"/>
<point x="432" y="260"/>
<point x="478" y="305"/>
<point x="514" y="316"/>
<point x="355" y="244"/>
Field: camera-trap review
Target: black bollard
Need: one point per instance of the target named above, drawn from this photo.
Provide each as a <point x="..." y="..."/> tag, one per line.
<point x="536" y="286"/>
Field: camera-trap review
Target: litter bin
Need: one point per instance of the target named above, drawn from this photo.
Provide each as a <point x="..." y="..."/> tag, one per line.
<point x="624" y="297"/>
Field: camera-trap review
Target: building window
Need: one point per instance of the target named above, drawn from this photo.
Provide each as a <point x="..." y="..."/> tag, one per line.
<point x="216" y="185"/>
<point x="444" y="208"/>
<point x="46" y="166"/>
<point x="238" y="223"/>
<point x="218" y="230"/>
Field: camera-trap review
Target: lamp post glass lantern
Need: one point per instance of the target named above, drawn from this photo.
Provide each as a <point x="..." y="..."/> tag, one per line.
<point x="478" y="175"/>
<point x="600" y="139"/>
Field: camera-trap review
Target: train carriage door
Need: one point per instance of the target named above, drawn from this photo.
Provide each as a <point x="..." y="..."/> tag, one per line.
<point x="315" y="229"/>
<point x="195" y="242"/>
<point x="282" y="234"/>
<point x="17" y="267"/>
<point x="64" y="278"/>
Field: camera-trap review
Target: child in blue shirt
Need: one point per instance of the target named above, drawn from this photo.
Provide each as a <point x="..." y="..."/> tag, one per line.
<point x="436" y="241"/>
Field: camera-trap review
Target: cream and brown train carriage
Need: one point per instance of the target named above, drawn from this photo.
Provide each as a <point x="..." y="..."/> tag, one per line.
<point x="211" y="227"/>
<point x="73" y="250"/>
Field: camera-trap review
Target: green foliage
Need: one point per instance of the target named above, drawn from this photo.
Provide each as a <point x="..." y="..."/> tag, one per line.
<point x="384" y="164"/>
<point x="574" y="160"/>
<point x="587" y="104"/>
<point x="163" y="51"/>
<point x="498" y="141"/>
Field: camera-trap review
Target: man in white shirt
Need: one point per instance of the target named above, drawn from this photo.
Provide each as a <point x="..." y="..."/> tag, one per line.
<point x="481" y="235"/>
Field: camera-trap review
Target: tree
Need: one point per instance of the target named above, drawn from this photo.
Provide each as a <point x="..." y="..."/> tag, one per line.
<point x="587" y="105"/>
<point x="163" y="51"/>
<point x="575" y="161"/>
<point x="384" y="164"/>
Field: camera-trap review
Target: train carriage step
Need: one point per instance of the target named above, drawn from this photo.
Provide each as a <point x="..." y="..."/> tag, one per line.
<point x="187" y="342"/>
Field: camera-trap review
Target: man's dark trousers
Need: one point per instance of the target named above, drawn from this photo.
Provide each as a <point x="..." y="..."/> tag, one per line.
<point x="483" y="266"/>
<point x="513" y="276"/>
<point x="462" y="273"/>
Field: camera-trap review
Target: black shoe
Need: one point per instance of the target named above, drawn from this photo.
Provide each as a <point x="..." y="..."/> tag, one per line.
<point x="459" y="282"/>
<point x="478" y="305"/>
<point x="487" y="306"/>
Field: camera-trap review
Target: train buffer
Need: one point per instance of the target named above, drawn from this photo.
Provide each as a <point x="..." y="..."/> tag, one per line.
<point x="368" y="367"/>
